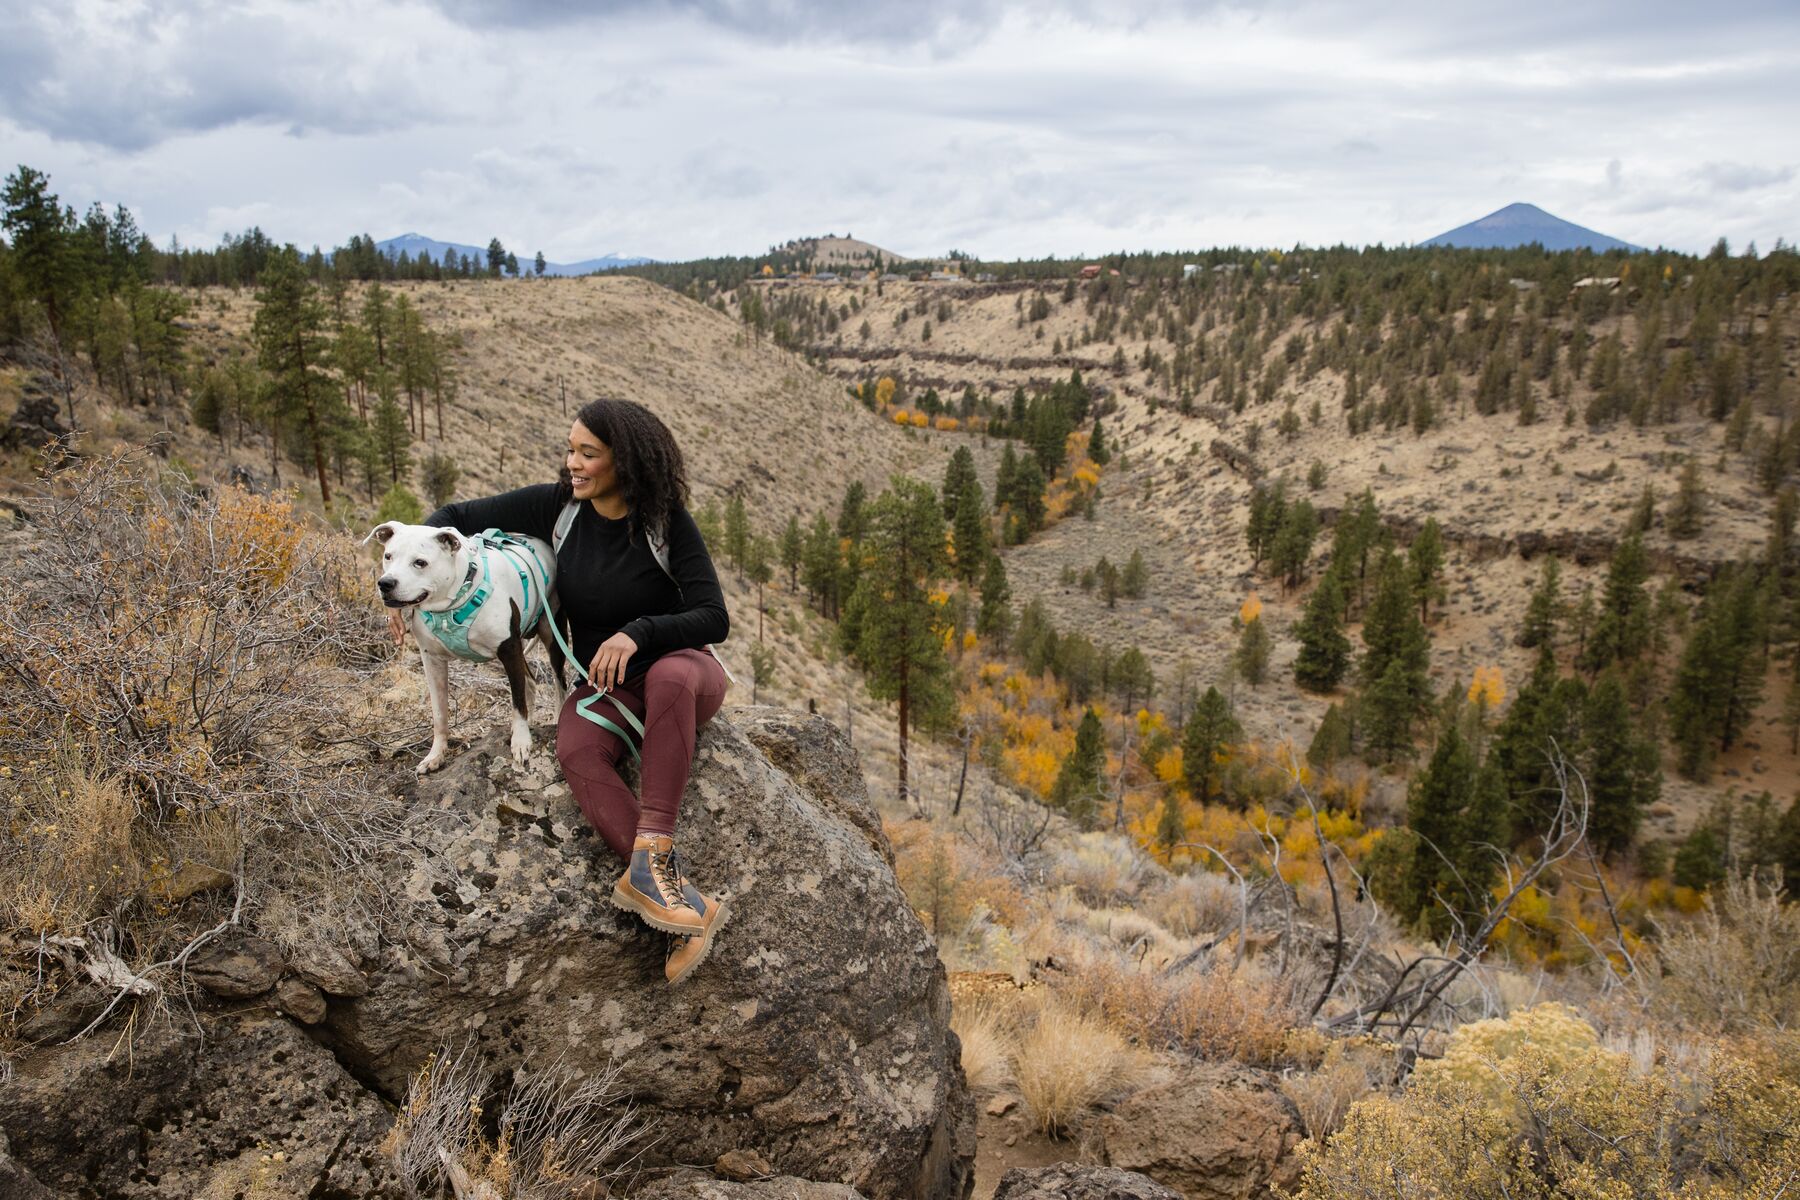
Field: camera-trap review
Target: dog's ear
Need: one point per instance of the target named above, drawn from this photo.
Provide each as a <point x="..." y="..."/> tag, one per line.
<point x="450" y="540"/>
<point x="382" y="532"/>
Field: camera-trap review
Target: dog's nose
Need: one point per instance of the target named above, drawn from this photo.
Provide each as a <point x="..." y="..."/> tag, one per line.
<point x="385" y="584"/>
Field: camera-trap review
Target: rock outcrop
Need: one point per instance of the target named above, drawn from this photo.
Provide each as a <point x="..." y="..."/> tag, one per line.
<point x="245" y="1098"/>
<point x="1213" y="1134"/>
<point x="1070" y="1181"/>
<point x="816" y="1035"/>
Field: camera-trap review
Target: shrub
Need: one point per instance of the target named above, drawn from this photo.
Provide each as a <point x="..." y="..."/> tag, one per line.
<point x="1534" y="1106"/>
<point x="986" y="1030"/>
<point x="1735" y="967"/>
<point x="174" y="720"/>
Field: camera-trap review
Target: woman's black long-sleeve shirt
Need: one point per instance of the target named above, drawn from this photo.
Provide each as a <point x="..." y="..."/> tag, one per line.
<point x="608" y="581"/>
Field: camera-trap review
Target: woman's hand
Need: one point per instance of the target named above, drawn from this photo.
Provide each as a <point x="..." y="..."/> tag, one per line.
<point x="608" y="667"/>
<point x="396" y="626"/>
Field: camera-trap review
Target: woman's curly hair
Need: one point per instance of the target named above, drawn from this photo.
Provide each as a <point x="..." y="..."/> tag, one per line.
<point x="646" y="461"/>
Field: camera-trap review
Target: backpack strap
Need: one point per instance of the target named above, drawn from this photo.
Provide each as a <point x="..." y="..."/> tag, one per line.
<point x="659" y="550"/>
<point x="565" y="520"/>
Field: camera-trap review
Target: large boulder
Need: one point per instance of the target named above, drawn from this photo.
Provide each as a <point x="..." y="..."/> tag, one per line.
<point x="818" y="1031"/>
<point x="693" y="1185"/>
<point x="243" y="1100"/>
<point x="1211" y="1134"/>
<point x="1073" y="1181"/>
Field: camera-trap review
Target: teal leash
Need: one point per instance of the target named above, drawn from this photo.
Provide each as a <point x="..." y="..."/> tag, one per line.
<point x="585" y="706"/>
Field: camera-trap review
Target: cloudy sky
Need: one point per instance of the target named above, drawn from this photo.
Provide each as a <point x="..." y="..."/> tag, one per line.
<point x="683" y="128"/>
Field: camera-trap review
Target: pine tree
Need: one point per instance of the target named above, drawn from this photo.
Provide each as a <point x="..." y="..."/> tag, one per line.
<point x="994" y="620"/>
<point x="1268" y="506"/>
<point x="1252" y="655"/>
<point x="1029" y="486"/>
<point x="1133" y="679"/>
<point x="392" y="439"/>
<point x="1135" y="577"/>
<point x="1078" y="787"/>
<point x="1425" y="560"/>
<point x="1686" y="515"/>
<point x="1435" y="808"/>
<point x="1623" y="777"/>
<point x="1622" y="627"/>
<point x="1171" y="825"/>
<point x="1539" y="626"/>
<point x="1006" y="479"/>
<point x="958" y="475"/>
<point x="891" y="627"/>
<point x="1206" y="738"/>
<point x="737" y="531"/>
<point x="289" y="333"/>
<point x="41" y="260"/>
<point x="969" y="531"/>
<point x="1292" y="546"/>
<point x="1097" y="449"/>
<point x="1355" y="536"/>
<point x="1324" y="656"/>
<point x="793" y="550"/>
<point x="821" y="565"/>
<point x="1718" y="684"/>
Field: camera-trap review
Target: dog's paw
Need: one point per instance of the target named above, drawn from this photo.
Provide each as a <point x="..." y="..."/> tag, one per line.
<point x="431" y="763"/>
<point x="521" y="748"/>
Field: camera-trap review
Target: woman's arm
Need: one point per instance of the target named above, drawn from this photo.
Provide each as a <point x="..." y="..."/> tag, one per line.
<point x="529" y="510"/>
<point x="703" y="619"/>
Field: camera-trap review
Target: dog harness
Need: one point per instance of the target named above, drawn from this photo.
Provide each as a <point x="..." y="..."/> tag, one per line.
<point x="451" y="626"/>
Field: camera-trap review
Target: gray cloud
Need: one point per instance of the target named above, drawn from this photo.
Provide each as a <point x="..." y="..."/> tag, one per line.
<point x="1741" y="177"/>
<point x="129" y="82"/>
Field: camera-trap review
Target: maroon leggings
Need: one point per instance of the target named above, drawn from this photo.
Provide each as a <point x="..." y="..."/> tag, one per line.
<point x="679" y="693"/>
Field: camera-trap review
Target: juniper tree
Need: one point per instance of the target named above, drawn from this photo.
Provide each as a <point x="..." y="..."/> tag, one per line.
<point x="1331" y="741"/>
<point x="1132" y="678"/>
<point x="890" y="625"/>
<point x="1207" y="737"/>
<point x="438" y="475"/>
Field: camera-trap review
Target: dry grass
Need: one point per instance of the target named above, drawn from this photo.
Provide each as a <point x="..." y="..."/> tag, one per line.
<point x="988" y="1030"/>
<point x="1350" y="1071"/>
<point x="1242" y="1015"/>
<point x="1069" y="1061"/>
<point x="556" y="1132"/>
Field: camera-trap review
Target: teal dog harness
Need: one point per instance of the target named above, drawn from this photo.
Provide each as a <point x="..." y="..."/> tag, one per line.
<point x="451" y="626"/>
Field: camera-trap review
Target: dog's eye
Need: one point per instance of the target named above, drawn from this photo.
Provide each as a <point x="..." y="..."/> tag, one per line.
<point x="420" y="563"/>
<point x="386" y="557"/>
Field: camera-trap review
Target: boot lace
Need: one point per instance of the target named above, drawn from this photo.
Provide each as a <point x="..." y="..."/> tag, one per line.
<point x="666" y="870"/>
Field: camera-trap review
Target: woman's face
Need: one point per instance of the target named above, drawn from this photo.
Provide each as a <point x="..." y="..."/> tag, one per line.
<point x="590" y="464"/>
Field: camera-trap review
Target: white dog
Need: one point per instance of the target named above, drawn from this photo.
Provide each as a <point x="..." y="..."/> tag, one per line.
<point x="472" y="598"/>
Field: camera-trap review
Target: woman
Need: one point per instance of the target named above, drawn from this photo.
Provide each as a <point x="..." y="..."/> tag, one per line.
<point x="644" y="632"/>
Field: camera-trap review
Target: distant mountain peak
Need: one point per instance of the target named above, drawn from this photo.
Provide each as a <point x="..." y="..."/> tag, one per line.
<point x="417" y="243"/>
<point x="1522" y="224"/>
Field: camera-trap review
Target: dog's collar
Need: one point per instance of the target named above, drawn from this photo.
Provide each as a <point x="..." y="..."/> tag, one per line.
<point x="451" y="625"/>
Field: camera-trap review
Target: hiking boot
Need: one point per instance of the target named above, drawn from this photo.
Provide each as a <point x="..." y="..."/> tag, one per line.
<point x="688" y="951"/>
<point x="651" y="887"/>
